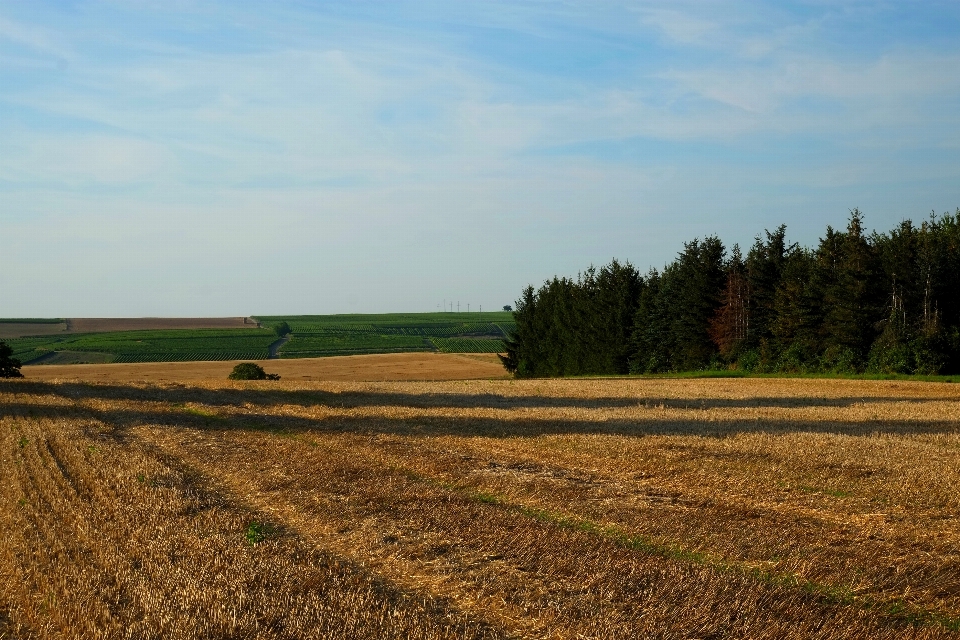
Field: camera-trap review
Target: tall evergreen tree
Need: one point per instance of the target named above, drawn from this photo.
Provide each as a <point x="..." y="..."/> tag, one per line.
<point x="731" y="321"/>
<point x="885" y="301"/>
<point x="618" y="294"/>
<point x="850" y="299"/>
<point x="797" y="313"/>
<point x="649" y="328"/>
<point x="700" y="280"/>
<point x="764" y="267"/>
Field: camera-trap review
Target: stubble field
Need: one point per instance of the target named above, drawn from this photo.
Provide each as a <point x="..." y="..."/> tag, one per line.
<point x="480" y="509"/>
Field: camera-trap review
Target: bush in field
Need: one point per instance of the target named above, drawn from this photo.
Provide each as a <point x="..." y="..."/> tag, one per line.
<point x="9" y="367"/>
<point x="281" y="329"/>
<point x="251" y="371"/>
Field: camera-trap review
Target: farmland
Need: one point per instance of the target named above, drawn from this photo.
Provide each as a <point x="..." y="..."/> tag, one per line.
<point x="313" y="336"/>
<point x="136" y="340"/>
<point x="761" y="508"/>
<point x="147" y="346"/>
<point x="468" y="345"/>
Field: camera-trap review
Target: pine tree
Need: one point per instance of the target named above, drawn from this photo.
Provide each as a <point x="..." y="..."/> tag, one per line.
<point x="700" y="281"/>
<point x="649" y="330"/>
<point x="764" y="266"/>
<point x="520" y="342"/>
<point x="850" y="319"/>
<point x="730" y="324"/>
<point x="613" y="308"/>
<point x="797" y="313"/>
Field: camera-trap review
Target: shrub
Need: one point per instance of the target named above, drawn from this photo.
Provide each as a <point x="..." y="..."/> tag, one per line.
<point x="9" y="367"/>
<point x="251" y="371"/>
<point x="281" y="329"/>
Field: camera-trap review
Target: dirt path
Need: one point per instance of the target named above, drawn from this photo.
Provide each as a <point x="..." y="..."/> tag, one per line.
<point x="276" y="346"/>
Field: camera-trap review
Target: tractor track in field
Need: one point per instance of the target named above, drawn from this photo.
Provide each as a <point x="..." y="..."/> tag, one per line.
<point x="274" y="349"/>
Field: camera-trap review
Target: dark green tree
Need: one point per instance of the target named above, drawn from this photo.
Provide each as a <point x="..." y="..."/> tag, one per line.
<point x="731" y="321"/>
<point x="251" y="371"/>
<point x="764" y="266"/>
<point x="9" y="366"/>
<point x="797" y="314"/>
<point x="699" y="284"/>
<point x="887" y="302"/>
<point x="650" y="327"/>
<point x="850" y="299"/>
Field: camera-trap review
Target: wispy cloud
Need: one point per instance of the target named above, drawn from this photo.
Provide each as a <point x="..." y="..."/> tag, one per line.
<point x="414" y="135"/>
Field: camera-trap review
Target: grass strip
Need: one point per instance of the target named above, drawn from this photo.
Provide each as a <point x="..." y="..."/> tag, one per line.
<point x="699" y="375"/>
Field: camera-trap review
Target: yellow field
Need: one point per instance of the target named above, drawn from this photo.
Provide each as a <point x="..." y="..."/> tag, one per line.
<point x="480" y="509"/>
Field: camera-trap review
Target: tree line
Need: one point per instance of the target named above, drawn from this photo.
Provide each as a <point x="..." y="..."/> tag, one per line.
<point x="857" y="302"/>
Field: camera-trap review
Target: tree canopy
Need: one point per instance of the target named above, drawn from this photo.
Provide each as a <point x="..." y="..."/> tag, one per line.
<point x="880" y="302"/>
<point x="9" y="366"/>
<point x="251" y="371"/>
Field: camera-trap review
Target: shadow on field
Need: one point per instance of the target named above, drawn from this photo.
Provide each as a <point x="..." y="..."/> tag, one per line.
<point x="260" y="396"/>
<point x="229" y="409"/>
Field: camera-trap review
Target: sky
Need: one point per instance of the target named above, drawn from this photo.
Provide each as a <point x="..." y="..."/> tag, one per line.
<point x="181" y="158"/>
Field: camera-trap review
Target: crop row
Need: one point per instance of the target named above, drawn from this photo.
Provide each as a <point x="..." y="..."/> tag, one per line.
<point x="313" y="327"/>
<point x="426" y="331"/>
<point x="197" y="356"/>
<point x="507" y="327"/>
<point x="26" y="356"/>
<point x="381" y="319"/>
<point x="468" y="345"/>
<point x="352" y="352"/>
<point x="350" y="341"/>
<point x="148" y="342"/>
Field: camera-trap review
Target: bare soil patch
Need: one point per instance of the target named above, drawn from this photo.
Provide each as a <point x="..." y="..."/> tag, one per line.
<point x="97" y="325"/>
<point x="24" y="329"/>
<point x="375" y="367"/>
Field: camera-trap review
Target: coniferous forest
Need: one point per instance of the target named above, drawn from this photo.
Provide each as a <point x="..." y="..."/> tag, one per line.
<point x="857" y="302"/>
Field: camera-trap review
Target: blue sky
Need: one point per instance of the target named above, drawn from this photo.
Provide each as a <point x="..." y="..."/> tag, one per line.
<point x="185" y="158"/>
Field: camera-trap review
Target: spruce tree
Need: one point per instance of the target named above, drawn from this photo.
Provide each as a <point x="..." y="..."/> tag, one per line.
<point x="649" y="330"/>
<point x="797" y="314"/>
<point x="731" y="321"/>
<point x="700" y="280"/>
<point x="612" y="311"/>
<point x="849" y="322"/>
<point x="764" y="265"/>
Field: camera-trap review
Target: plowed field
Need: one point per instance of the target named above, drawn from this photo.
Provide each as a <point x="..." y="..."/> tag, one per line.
<point x="480" y="509"/>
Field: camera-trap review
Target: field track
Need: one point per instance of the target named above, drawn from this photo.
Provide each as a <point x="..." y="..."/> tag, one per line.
<point x="375" y="367"/>
<point x="748" y="508"/>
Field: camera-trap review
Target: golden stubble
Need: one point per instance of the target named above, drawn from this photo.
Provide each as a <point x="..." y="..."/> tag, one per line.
<point x="482" y="508"/>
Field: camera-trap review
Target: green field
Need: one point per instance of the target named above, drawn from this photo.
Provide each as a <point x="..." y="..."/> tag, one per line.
<point x="469" y="345"/>
<point x="150" y="346"/>
<point x="342" y="343"/>
<point x="313" y="336"/>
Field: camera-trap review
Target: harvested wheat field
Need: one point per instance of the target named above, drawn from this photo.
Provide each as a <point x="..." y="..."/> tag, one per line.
<point x="480" y="509"/>
<point x="365" y="368"/>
